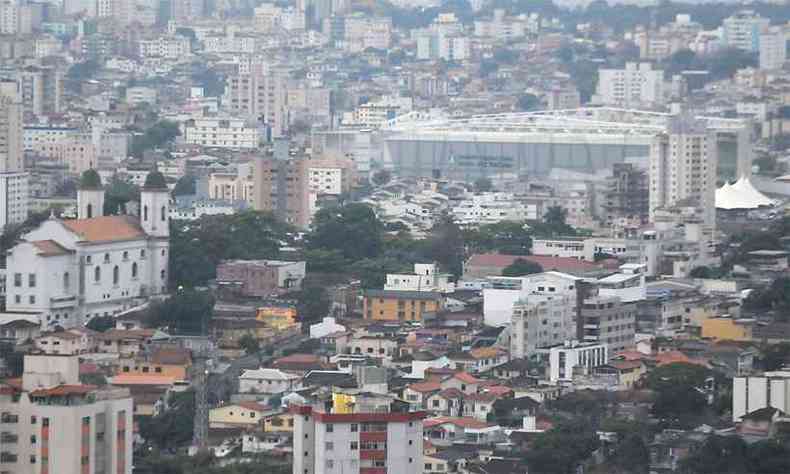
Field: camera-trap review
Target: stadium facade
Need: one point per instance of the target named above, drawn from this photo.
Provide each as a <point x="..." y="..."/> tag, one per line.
<point x="530" y="144"/>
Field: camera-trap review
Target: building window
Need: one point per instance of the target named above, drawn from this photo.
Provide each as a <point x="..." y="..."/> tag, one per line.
<point x="163" y="214"/>
<point x="354" y="445"/>
<point x="97" y="274"/>
<point x="354" y="427"/>
<point x="116" y="275"/>
<point x="162" y="274"/>
<point x="330" y="428"/>
<point x="329" y="446"/>
<point x="142" y="253"/>
<point x="125" y="255"/>
<point x="134" y="270"/>
<point x="66" y="282"/>
<point x="18" y="280"/>
<point x="31" y="280"/>
<point x="106" y="258"/>
<point x="90" y="211"/>
<point x="32" y="299"/>
<point x="145" y="213"/>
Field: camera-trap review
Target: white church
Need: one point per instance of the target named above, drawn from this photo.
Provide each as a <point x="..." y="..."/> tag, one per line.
<point x="68" y="271"/>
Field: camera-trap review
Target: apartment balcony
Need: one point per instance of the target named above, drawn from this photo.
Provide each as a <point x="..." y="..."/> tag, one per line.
<point x="373" y="454"/>
<point x="64" y="301"/>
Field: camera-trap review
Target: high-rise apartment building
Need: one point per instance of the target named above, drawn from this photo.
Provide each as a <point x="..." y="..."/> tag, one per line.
<point x="259" y="94"/>
<point x="742" y="30"/>
<point x="773" y="48"/>
<point x="11" y="128"/>
<point x="683" y="168"/>
<point x="9" y="17"/>
<point x="635" y="85"/>
<point x="52" y="424"/>
<point x="357" y="434"/>
<point x="541" y="321"/>
<point x="292" y="188"/>
<point x="607" y="320"/>
<point x="626" y="200"/>
<point x="41" y="89"/>
<point x="574" y="354"/>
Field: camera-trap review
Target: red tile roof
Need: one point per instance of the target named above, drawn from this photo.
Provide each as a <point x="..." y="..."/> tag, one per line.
<point x="466" y="377"/>
<point x="547" y="262"/>
<point x="63" y="390"/>
<point x="464" y="422"/>
<point x="424" y="387"/>
<point x="106" y="228"/>
<point x="50" y="248"/>
<point x="254" y="406"/>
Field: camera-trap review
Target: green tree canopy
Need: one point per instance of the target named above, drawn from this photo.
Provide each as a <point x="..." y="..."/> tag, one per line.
<point x="528" y="102"/>
<point x="249" y="343"/>
<point x="352" y="229"/>
<point x="521" y="267"/>
<point x="186" y="312"/>
<point x="156" y="136"/>
<point x="381" y="177"/>
<point x="561" y="449"/>
<point x="185" y="186"/>
<point x="718" y="455"/>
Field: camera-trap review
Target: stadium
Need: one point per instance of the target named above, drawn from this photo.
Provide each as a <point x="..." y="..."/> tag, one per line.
<point x="516" y="145"/>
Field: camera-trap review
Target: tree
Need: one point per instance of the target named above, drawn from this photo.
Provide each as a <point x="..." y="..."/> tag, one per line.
<point x="381" y="177"/>
<point x="250" y="344"/>
<point x="561" y="449"/>
<point x="528" y="102"/>
<point x="679" y="397"/>
<point x="631" y="455"/>
<point x="521" y="267"/>
<point x="312" y="304"/>
<point x="776" y="356"/>
<point x="553" y="224"/>
<point x="768" y="457"/>
<point x="172" y="428"/>
<point x="197" y="247"/>
<point x="186" y="312"/>
<point x="117" y="194"/>
<point x="483" y="185"/>
<point x="372" y="273"/>
<point x="445" y="245"/>
<point x="352" y="229"/>
<point x="717" y="455"/>
<point x="701" y="272"/>
<point x="775" y="297"/>
<point x="156" y="136"/>
<point x="101" y="323"/>
<point x="185" y="186"/>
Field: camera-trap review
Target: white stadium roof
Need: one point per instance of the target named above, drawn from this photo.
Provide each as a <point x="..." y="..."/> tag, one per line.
<point x="741" y="195"/>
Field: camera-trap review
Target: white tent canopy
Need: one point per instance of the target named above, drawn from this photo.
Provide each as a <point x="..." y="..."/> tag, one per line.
<point x="741" y="195"/>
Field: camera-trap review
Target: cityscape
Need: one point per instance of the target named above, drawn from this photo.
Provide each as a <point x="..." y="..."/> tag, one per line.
<point x="394" y="237"/>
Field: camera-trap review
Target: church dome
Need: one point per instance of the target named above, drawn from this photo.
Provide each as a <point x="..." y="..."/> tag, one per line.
<point x="90" y="180"/>
<point x="155" y="180"/>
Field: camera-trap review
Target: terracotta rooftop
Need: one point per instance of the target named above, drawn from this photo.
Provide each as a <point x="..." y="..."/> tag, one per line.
<point x="106" y="228"/>
<point x="424" y="387"/>
<point x="50" y="248"/>
<point x="120" y="334"/>
<point x="547" y="262"/>
<point x="466" y="377"/>
<point x="464" y="422"/>
<point x="63" y="390"/>
<point x="254" y="406"/>
<point x="142" y="379"/>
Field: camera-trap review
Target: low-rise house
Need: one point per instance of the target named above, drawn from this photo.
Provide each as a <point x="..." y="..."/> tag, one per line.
<point x="628" y="372"/>
<point x="254" y="442"/>
<point x="417" y="394"/>
<point x="239" y="415"/>
<point x="512" y="411"/>
<point x="301" y="363"/>
<point x="446" y="431"/>
<point x="278" y="422"/>
<point x="478" y="360"/>
<point x="124" y="343"/>
<point x="480" y="406"/>
<point x="20" y="331"/>
<point x="447" y="402"/>
<point x="268" y="381"/>
<point x="762" y="423"/>
<point x="374" y="346"/>
<point x="63" y="343"/>
<point x="465" y="382"/>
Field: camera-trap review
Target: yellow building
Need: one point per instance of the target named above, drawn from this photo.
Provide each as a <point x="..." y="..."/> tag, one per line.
<point x="278" y="422"/>
<point x="727" y="329"/>
<point x="238" y="415"/>
<point x="390" y="305"/>
<point x="277" y="317"/>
